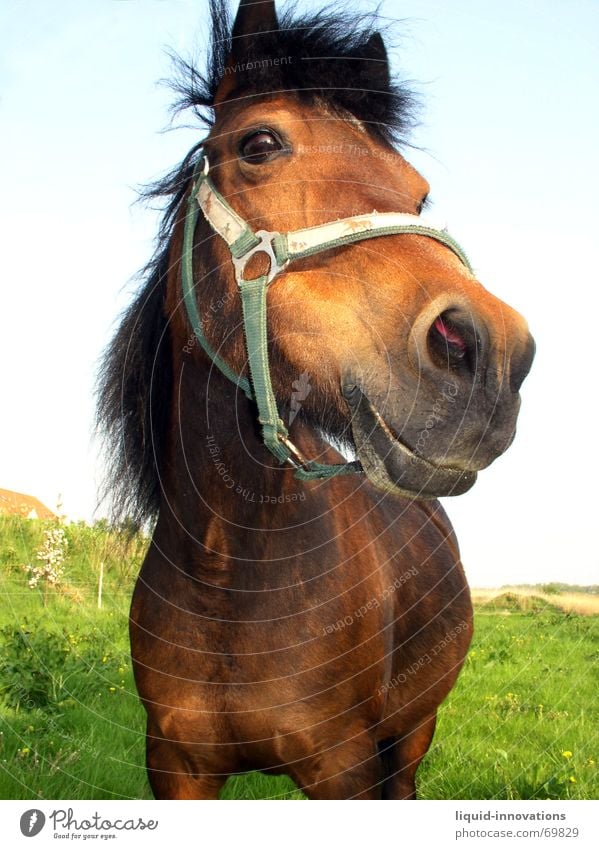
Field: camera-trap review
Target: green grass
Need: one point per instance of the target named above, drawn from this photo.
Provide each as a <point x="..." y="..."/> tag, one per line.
<point x="522" y="721"/>
<point x="520" y="724"/>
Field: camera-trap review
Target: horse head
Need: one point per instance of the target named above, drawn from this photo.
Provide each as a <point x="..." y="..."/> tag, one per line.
<point x="409" y="359"/>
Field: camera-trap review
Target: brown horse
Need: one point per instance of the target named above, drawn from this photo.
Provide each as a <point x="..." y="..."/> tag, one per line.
<point x="306" y="622"/>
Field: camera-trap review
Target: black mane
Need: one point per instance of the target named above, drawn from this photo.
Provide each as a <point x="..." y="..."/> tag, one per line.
<point x="330" y="57"/>
<point x="321" y="55"/>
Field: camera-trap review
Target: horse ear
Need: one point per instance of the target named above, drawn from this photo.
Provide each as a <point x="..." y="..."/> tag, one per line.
<point x="254" y="19"/>
<point x="376" y="62"/>
<point x="254" y="16"/>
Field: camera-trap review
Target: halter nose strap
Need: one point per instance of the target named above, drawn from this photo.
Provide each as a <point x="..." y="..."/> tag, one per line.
<point x="280" y="249"/>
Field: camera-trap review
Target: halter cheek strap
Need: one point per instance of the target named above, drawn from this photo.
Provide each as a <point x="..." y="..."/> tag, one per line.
<point x="281" y="249"/>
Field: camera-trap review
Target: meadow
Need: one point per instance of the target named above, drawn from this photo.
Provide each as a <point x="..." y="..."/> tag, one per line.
<point x="522" y="722"/>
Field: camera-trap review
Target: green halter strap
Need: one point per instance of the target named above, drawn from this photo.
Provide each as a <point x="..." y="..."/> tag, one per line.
<point x="281" y="249"/>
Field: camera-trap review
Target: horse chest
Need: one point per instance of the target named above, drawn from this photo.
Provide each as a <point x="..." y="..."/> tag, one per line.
<point x="273" y="650"/>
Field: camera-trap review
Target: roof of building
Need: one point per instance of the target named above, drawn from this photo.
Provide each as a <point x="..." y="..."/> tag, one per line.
<point x="18" y="504"/>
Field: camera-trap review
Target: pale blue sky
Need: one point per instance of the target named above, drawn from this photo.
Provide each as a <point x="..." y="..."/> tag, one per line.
<point x="509" y="139"/>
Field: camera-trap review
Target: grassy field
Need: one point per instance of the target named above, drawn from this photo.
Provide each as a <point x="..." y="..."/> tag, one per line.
<point x="521" y="723"/>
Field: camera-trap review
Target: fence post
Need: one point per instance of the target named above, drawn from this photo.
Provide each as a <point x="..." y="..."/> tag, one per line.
<point x="100" y="584"/>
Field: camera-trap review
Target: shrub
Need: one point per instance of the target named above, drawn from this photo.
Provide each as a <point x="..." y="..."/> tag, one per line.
<point x="41" y="668"/>
<point x="51" y="557"/>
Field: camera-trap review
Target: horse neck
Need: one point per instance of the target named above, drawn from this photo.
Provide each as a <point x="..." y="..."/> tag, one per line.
<point x="217" y="471"/>
<point x="221" y="488"/>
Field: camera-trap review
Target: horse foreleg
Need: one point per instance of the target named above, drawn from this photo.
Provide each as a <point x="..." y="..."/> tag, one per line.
<point x="349" y="771"/>
<point x="401" y="758"/>
<point x="173" y="775"/>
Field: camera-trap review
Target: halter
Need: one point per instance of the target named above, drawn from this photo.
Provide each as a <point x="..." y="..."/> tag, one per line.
<point x="281" y="249"/>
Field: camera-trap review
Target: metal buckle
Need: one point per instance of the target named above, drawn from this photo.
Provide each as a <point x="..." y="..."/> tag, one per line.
<point x="266" y="239"/>
<point x="297" y="460"/>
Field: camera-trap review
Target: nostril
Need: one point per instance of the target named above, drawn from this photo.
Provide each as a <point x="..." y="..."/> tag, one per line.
<point x="453" y="342"/>
<point x="450" y="334"/>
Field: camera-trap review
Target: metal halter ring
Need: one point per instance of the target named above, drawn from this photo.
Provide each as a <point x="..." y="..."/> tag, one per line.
<point x="265" y="246"/>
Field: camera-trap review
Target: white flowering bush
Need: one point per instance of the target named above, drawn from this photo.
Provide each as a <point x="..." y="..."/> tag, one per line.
<point x="51" y="557"/>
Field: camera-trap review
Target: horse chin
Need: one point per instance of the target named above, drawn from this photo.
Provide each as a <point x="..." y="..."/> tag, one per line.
<point x="391" y="465"/>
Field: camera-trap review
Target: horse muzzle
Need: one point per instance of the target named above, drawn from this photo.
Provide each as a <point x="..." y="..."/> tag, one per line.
<point x="390" y="463"/>
<point x="452" y="417"/>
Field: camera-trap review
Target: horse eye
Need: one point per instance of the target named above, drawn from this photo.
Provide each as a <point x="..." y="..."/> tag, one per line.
<point x="422" y="205"/>
<point x="259" y="147"/>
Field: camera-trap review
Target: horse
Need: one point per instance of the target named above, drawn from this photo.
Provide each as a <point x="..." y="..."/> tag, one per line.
<point x="308" y="365"/>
